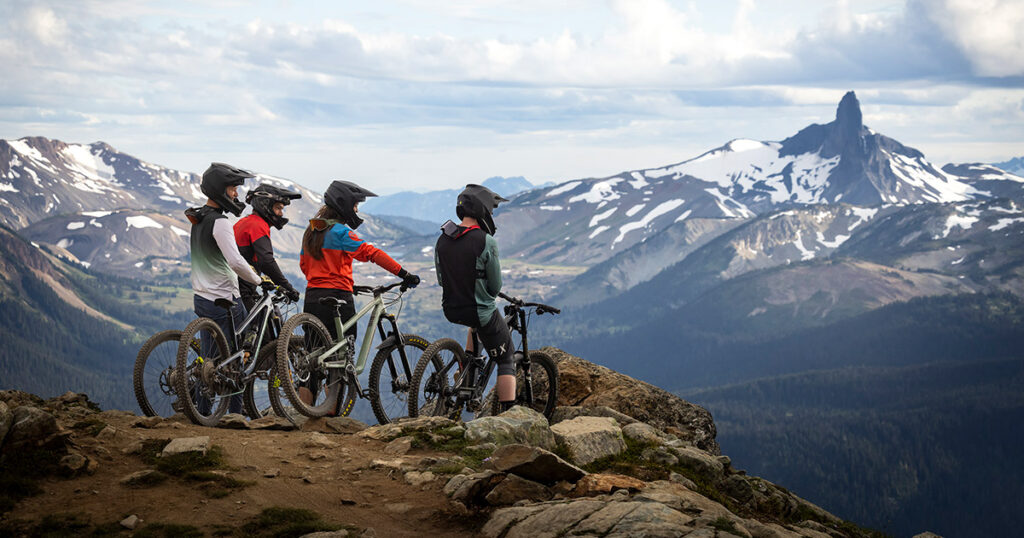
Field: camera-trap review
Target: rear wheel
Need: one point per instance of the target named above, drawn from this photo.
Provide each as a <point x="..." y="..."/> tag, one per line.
<point x="431" y="390"/>
<point x="542" y="392"/>
<point x="151" y="377"/>
<point x="196" y="380"/>
<point x="390" y="378"/>
<point x="312" y="390"/>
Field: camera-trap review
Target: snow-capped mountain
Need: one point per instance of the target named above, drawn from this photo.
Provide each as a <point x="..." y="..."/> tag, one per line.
<point x="587" y="221"/>
<point x="113" y="212"/>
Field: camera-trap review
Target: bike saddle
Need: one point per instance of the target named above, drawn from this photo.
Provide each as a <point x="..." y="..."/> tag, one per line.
<point x="226" y="304"/>
<point x="333" y="302"/>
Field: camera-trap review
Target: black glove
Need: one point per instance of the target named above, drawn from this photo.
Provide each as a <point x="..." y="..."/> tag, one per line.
<point x="409" y="280"/>
<point x="292" y="295"/>
<point x="268" y="285"/>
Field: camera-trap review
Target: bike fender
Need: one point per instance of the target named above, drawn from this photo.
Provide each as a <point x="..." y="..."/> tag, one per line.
<point x="388" y="342"/>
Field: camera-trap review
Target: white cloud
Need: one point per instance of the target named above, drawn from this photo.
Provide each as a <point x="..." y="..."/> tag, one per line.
<point x="989" y="32"/>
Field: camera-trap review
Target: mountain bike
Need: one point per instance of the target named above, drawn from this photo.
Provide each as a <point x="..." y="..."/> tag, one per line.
<point x="207" y="376"/>
<point x="451" y="381"/>
<point x="320" y="377"/>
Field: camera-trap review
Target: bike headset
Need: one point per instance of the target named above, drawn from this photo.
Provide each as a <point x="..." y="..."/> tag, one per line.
<point x="479" y="202"/>
<point x="264" y="197"/>
<point x="217" y="178"/>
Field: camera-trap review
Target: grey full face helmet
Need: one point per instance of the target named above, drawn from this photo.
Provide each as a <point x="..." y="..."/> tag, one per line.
<point x="342" y="196"/>
<point x="479" y="202"/>
<point x="217" y="178"/>
<point x="263" y="198"/>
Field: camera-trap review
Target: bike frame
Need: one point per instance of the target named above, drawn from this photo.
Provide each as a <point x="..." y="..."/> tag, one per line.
<point x="264" y="309"/>
<point x="376" y="310"/>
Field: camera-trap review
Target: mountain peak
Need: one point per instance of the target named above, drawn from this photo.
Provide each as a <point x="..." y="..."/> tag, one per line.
<point x="848" y="116"/>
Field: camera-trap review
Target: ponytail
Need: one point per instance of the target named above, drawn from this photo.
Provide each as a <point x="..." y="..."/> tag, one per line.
<point x="313" y="239"/>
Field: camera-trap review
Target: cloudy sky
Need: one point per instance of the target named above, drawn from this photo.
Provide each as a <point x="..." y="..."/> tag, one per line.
<point x="421" y="94"/>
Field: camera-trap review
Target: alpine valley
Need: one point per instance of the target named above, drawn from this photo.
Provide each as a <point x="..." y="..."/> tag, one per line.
<point x="849" y="312"/>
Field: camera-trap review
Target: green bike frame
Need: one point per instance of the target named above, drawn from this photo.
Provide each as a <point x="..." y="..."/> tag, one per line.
<point x="376" y="309"/>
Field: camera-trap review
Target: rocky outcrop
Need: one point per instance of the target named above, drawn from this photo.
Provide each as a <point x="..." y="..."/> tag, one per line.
<point x="587" y="385"/>
<point x="517" y="425"/>
<point x="590" y="438"/>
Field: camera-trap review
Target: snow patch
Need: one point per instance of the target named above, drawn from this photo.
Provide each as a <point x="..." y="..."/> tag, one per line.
<point x="563" y="188"/>
<point x="834" y="243"/>
<point x="600" y="191"/>
<point x="601" y="216"/>
<point x="659" y="210"/>
<point x="799" y="244"/>
<point x="142" y="221"/>
<point x="597" y="230"/>
<point x="179" y="231"/>
<point x="76" y="225"/>
<point x="1003" y="223"/>
<point x="963" y="222"/>
<point x="96" y="214"/>
<point x="638" y="180"/>
<point x="634" y="210"/>
<point x="552" y="207"/>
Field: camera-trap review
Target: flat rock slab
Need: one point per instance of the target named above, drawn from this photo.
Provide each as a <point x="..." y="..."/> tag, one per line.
<point x="183" y="445"/>
<point x="601" y="483"/>
<point x="533" y="463"/>
<point x="403" y="426"/>
<point x="590" y="438"/>
<point x="271" y="423"/>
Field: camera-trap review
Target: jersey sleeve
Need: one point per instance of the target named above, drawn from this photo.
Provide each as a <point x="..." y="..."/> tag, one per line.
<point x="225" y="238"/>
<point x="492" y="267"/>
<point x="266" y="264"/>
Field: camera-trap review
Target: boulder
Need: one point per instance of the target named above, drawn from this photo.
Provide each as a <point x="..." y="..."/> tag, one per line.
<point x="474" y="488"/>
<point x="513" y="489"/>
<point x="74" y="464"/>
<point x="147" y="422"/>
<point x="533" y="463"/>
<point x="399" y="446"/>
<point x="318" y="440"/>
<point x="519" y="425"/>
<point x="583" y="383"/>
<point x="417" y="478"/>
<point x="184" y="445"/>
<point x="6" y="420"/>
<point x="659" y="455"/>
<point x="233" y="421"/>
<point x="31" y="427"/>
<point x="589" y="438"/>
<point x="130" y="522"/>
<point x="344" y="425"/>
<point x="601" y="483"/>
<point x="699" y="461"/>
<point x="569" y="412"/>
<point x="645" y="433"/>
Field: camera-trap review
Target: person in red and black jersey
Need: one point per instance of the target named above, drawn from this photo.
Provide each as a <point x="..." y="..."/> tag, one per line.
<point x="252" y="234"/>
<point x="330" y="244"/>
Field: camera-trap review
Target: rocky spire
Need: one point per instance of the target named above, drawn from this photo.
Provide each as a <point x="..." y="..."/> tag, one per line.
<point x="848" y="116"/>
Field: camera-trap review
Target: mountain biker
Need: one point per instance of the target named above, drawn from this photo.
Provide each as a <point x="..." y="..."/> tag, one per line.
<point x="329" y="245"/>
<point x="216" y="262"/>
<point x="252" y="234"/>
<point x="466" y="261"/>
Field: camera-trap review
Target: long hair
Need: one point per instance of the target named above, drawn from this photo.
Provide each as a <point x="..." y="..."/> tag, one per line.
<point x="313" y="240"/>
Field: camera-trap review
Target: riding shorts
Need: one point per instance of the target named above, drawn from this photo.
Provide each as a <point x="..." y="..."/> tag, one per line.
<point x="497" y="340"/>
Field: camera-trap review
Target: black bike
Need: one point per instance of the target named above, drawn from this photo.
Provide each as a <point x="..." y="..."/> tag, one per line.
<point x="448" y="381"/>
<point x="207" y="376"/>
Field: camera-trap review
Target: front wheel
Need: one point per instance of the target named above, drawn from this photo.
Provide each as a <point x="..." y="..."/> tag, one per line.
<point x="541" y="393"/>
<point x="312" y="388"/>
<point x="432" y="387"/>
<point x="390" y="378"/>
<point x="196" y="379"/>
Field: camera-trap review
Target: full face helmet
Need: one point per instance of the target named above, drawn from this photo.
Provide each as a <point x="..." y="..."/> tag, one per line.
<point x="342" y="196"/>
<point x="217" y="178"/>
<point x="263" y="198"/>
<point x="479" y="202"/>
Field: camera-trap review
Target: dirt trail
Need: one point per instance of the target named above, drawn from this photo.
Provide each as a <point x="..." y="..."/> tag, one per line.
<point x="338" y="483"/>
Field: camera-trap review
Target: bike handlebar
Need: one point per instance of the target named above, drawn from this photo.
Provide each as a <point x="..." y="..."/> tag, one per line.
<point x="541" y="308"/>
<point x="376" y="290"/>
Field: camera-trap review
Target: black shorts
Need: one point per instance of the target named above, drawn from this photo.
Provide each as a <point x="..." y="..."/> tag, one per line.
<point x="326" y="313"/>
<point x="497" y="340"/>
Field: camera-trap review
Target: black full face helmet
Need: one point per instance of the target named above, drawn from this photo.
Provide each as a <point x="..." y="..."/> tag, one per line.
<point x="217" y="178"/>
<point x="479" y="202"/>
<point x="263" y="198"/>
<point x="342" y="196"/>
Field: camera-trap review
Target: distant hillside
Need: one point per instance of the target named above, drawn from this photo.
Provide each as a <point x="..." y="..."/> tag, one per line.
<point x="63" y="328"/>
<point x="899" y="449"/>
<point x="436" y="207"/>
